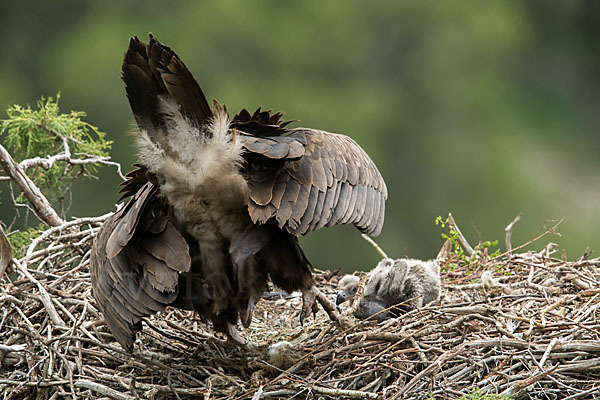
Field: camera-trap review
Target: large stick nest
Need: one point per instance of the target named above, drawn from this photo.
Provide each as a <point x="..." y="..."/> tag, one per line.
<point x="528" y="328"/>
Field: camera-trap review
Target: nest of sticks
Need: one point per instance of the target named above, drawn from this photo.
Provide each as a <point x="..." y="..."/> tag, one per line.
<point x="524" y="325"/>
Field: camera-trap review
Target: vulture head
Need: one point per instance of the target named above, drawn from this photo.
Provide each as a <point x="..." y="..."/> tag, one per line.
<point x="217" y="202"/>
<point x="347" y="287"/>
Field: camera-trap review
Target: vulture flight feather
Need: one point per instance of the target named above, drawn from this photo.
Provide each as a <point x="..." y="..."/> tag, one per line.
<point x="217" y="203"/>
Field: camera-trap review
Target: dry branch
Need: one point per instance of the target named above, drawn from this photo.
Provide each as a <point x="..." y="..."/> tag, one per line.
<point x="338" y="393"/>
<point x="54" y="339"/>
<point x="508" y="230"/>
<point x="105" y="390"/>
<point x="461" y="238"/>
<point x="375" y="245"/>
<point x="41" y="206"/>
<point x="65" y="156"/>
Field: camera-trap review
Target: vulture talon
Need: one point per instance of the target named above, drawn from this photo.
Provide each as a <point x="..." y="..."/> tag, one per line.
<point x="246" y="316"/>
<point x="310" y="298"/>
<point x="234" y="336"/>
<point x="315" y="309"/>
<point x="302" y="315"/>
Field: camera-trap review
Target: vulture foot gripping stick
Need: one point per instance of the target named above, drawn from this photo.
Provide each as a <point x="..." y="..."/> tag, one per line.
<point x="310" y="298"/>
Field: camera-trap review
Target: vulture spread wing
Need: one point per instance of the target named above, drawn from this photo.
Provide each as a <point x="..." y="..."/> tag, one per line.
<point x="216" y="204"/>
<point x="311" y="179"/>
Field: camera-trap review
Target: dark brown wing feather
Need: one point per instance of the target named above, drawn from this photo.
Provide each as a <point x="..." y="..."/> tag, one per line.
<point x="135" y="264"/>
<point x="151" y="70"/>
<point x="134" y="180"/>
<point x="310" y="179"/>
<point x="260" y="123"/>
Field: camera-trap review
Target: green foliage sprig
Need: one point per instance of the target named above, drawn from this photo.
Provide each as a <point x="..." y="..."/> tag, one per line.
<point x="22" y="239"/>
<point x="476" y="394"/>
<point x="481" y="252"/>
<point x="43" y="132"/>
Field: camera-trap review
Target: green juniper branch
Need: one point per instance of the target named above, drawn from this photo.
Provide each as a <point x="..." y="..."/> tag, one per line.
<point x="51" y="150"/>
<point x="39" y="138"/>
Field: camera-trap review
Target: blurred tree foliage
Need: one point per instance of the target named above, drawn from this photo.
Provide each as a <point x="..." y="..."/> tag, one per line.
<point x="485" y="109"/>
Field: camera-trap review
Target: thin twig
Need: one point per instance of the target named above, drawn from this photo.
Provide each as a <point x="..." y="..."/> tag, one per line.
<point x="63" y="226"/>
<point x="508" y="230"/>
<point x="338" y="393"/>
<point x="44" y="296"/>
<point x="461" y="238"/>
<point x="105" y="390"/>
<point x="374" y="244"/>
<point x="521" y="385"/>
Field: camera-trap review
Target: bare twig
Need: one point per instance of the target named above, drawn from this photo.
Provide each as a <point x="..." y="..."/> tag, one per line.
<point x="547" y="352"/>
<point x="360" y="291"/>
<point x="13" y="348"/>
<point x="584" y="393"/>
<point x="527" y="382"/>
<point x="48" y="162"/>
<point x="44" y="296"/>
<point x="535" y="239"/>
<point x="258" y="394"/>
<point x="41" y="206"/>
<point x="339" y="393"/>
<point x="461" y="238"/>
<point x="436" y="365"/>
<point x="444" y="252"/>
<point x="105" y="390"/>
<point x="375" y="245"/>
<point x="65" y="225"/>
<point x="508" y="230"/>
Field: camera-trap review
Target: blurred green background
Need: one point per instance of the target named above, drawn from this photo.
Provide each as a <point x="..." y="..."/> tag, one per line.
<point x="480" y="108"/>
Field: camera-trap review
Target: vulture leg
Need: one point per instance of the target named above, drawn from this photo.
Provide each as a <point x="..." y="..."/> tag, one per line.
<point x="310" y="297"/>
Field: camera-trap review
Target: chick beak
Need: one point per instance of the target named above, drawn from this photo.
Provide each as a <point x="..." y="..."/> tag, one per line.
<point x="341" y="297"/>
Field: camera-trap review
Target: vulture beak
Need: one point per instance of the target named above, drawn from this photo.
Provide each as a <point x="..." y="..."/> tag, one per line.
<point x="341" y="297"/>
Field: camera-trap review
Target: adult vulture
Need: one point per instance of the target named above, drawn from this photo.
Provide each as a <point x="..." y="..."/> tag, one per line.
<point x="217" y="203"/>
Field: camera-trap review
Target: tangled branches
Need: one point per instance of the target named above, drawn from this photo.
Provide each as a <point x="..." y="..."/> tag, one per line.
<point x="531" y="332"/>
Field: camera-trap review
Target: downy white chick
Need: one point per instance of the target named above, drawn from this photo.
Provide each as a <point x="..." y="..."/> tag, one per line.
<point x="406" y="284"/>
